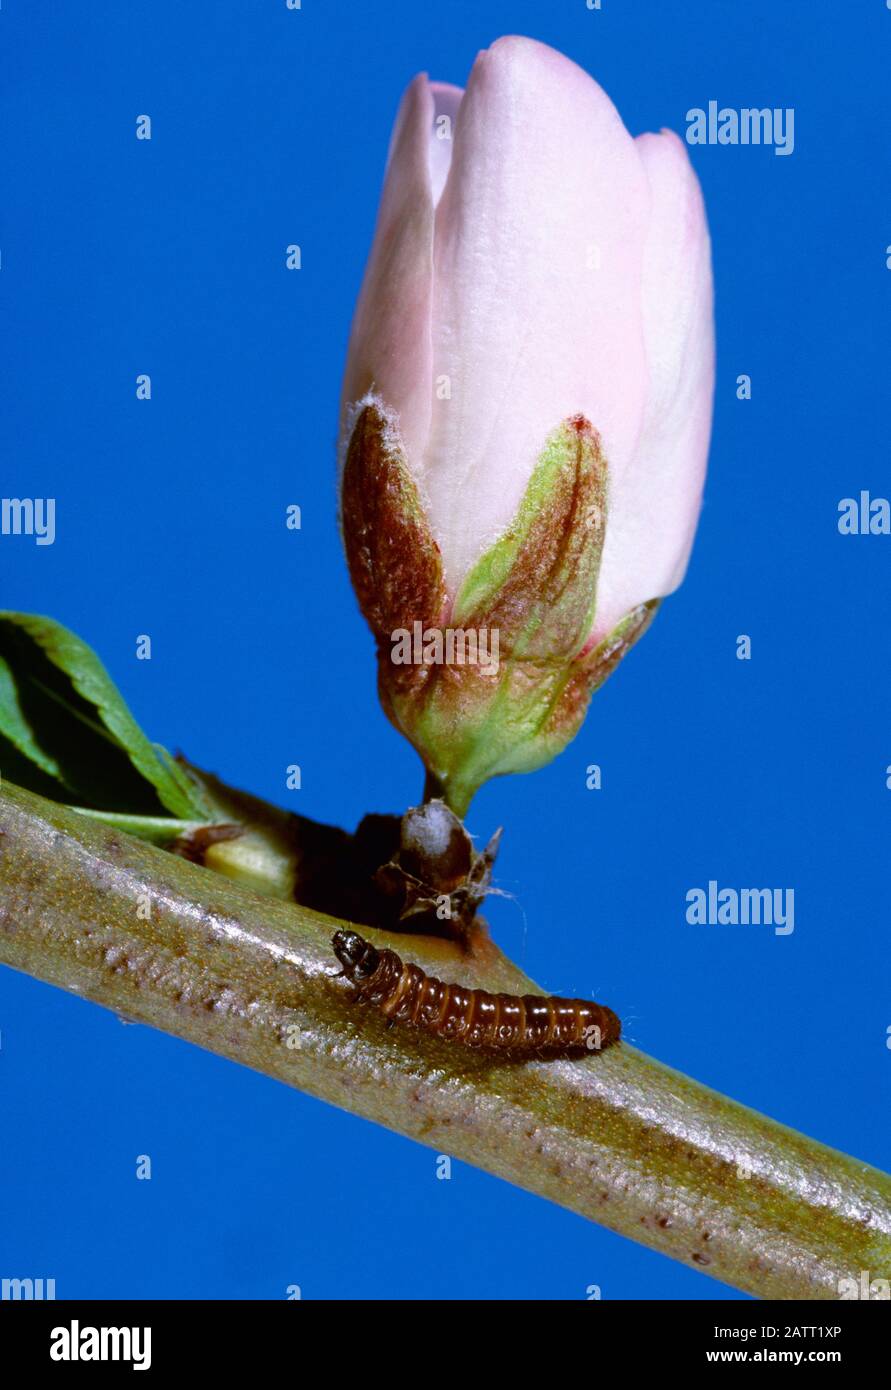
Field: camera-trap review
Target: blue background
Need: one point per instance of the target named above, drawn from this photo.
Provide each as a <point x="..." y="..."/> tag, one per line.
<point x="121" y="257"/>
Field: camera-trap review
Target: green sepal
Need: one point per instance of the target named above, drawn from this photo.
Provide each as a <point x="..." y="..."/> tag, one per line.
<point x="536" y="587"/>
<point x="537" y="584"/>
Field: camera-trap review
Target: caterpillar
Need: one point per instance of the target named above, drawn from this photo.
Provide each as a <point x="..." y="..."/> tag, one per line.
<point x="521" y="1024"/>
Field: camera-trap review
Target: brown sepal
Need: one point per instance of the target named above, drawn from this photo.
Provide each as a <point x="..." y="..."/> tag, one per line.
<point x="394" y="562"/>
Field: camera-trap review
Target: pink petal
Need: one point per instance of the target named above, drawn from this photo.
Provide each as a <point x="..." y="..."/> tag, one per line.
<point x="655" y="501"/>
<point x="527" y="329"/>
<point x="390" y="348"/>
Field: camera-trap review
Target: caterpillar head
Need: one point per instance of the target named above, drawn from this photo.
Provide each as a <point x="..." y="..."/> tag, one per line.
<point x="357" y="956"/>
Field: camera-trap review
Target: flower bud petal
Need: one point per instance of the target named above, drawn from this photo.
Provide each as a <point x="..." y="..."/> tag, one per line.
<point x="390" y="347"/>
<point x="656" y="499"/>
<point x="537" y="262"/>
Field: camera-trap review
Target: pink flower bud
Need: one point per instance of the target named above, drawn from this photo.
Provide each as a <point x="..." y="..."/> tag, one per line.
<point x="537" y="309"/>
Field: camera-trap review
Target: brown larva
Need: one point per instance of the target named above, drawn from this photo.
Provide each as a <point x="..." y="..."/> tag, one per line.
<point x="521" y="1024"/>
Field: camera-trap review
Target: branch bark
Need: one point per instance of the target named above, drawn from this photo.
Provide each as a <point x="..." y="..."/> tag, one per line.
<point x="618" y="1138"/>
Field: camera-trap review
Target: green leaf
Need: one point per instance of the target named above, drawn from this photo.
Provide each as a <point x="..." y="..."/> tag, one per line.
<point x="15" y="727"/>
<point x="62" y="715"/>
